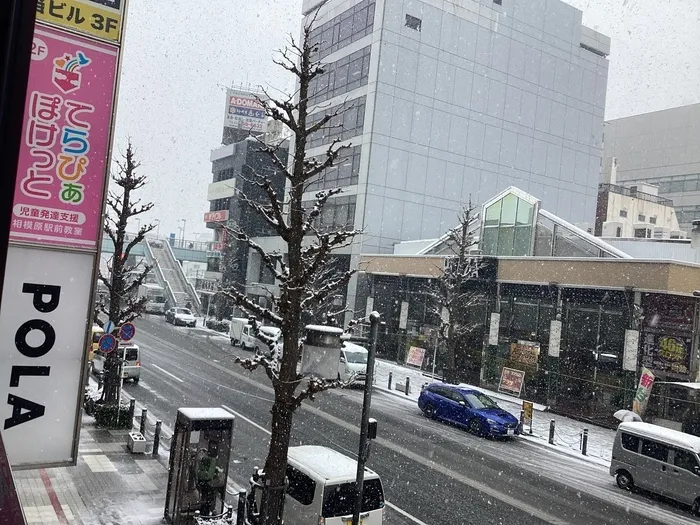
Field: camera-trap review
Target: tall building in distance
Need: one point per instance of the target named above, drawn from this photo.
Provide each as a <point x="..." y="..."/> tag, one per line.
<point x="452" y="100"/>
<point x="661" y="148"/>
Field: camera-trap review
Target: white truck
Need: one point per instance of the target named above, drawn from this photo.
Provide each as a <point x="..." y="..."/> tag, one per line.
<point x="156" y="298"/>
<point x="241" y="334"/>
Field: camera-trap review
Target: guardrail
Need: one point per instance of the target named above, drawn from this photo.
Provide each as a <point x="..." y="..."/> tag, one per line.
<point x="159" y="271"/>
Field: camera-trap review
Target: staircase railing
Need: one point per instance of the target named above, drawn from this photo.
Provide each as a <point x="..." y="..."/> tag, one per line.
<point x="159" y="272"/>
<point x="184" y="280"/>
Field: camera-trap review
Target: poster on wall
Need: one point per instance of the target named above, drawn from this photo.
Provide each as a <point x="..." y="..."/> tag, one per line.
<point x="415" y="356"/>
<point x="526" y="352"/>
<point x="42" y="340"/>
<point x="62" y="163"/>
<point x="666" y="353"/>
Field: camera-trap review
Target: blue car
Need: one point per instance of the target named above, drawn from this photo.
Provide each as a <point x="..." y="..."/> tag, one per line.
<point x="467" y="408"/>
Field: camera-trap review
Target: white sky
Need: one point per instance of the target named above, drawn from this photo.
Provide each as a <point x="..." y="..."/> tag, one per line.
<point x="178" y="55"/>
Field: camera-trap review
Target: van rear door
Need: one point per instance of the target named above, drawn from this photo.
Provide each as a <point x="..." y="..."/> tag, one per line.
<point x="339" y="502"/>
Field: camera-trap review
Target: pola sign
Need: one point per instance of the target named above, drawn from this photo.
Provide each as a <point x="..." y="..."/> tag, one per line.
<point x="41" y="345"/>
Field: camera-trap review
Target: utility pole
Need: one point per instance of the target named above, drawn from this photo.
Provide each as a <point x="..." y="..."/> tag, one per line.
<point x="363" y="452"/>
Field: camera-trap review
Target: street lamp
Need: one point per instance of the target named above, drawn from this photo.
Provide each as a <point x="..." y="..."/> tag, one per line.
<point x="368" y="428"/>
<point x="184" y="223"/>
<point x="157" y="221"/>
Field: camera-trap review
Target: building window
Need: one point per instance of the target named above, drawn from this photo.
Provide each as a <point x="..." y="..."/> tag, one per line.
<point x="641" y="233"/>
<point x="623" y="213"/>
<point x="337" y="213"/>
<point x="221" y="204"/>
<point x="344" y="173"/>
<point x="349" y="26"/>
<point x="348" y="123"/>
<point x="619" y="232"/>
<point x="652" y="220"/>
<point x="497" y="2"/>
<point x="341" y="76"/>
<point x="413" y="23"/>
<point x="641" y="218"/>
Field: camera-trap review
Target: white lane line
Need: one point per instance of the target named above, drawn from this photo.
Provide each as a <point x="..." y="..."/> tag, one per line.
<point x="166" y="372"/>
<point x="266" y="431"/>
<point x="238" y="414"/>
<point x="404" y="513"/>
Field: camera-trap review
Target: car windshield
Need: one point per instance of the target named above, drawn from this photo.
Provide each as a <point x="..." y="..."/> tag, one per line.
<point x="479" y="400"/>
<point x="356" y="357"/>
<point x="183" y="311"/>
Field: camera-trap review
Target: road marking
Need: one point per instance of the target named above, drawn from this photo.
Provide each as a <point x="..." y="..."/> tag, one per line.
<point x="404" y="513"/>
<point x="238" y="414"/>
<point x="166" y="372"/>
<point x="266" y="431"/>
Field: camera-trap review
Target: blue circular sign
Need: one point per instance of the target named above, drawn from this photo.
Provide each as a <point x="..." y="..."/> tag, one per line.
<point x="127" y="332"/>
<point x="107" y="343"/>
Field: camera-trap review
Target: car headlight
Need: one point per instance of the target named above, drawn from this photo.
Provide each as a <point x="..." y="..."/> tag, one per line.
<point x="492" y="422"/>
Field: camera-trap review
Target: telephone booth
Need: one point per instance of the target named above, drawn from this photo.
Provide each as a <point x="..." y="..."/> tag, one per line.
<point x="199" y="459"/>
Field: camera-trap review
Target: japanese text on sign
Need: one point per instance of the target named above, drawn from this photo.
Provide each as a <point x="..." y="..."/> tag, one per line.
<point x="61" y="170"/>
<point x="85" y="17"/>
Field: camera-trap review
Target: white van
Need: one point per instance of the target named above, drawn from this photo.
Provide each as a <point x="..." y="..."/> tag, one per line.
<point x="239" y="333"/>
<point x="322" y="489"/>
<point x="353" y="362"/>
<point x="659" y="460"/>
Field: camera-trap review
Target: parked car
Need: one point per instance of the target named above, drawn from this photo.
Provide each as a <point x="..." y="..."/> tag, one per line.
<point x="353" y="363"/>
<point x="658" y="459"/>
<point x="468" y="408"/>
<point x="262" y="347"/>
<point x="181" y="316"/>
<point x="131" y="362"/>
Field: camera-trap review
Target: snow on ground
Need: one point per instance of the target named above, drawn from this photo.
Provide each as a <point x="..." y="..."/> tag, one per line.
<point x="568" y="431"/>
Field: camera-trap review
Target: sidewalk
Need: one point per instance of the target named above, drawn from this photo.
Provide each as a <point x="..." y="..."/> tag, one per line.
<point x="567" y="436"/>
<point x="109" y="485"/>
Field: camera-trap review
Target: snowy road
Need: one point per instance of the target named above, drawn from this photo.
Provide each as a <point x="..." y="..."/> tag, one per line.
<point x="433" y="473"/>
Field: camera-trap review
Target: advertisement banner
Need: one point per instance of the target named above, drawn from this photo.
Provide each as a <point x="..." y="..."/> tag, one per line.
<point x="667" y="353"/>
<point x="244" y="111"/>
<point x="97" y="18"/>
<point x="554" y="338"/>
<point x="42" y="337"/>
<point x="641" y="398"/>
<point x="526" y="352"/>
<point x="415" y="356"/>
<point x="216" y="216"/>
<point x="511" y="381"/>
<point x="403" y="315"/>
<point x="494" y="327"/>
<point x="62" y="164"/>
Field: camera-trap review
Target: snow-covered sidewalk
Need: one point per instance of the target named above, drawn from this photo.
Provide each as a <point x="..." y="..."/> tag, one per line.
<point x="568" y="432"/>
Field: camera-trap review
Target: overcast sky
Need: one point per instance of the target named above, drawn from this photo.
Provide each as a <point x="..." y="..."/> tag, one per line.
<point x="179" y="55"/>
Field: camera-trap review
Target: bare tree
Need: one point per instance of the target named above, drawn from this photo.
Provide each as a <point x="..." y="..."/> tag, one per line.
<point x="308" y="246"/>
<point x="123" y="280"/>
<point x="450" y="297"/>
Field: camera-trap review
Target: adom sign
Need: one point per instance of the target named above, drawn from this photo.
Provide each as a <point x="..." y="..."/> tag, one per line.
<point x="42" y="345"/>
<point x="244" y="111"/>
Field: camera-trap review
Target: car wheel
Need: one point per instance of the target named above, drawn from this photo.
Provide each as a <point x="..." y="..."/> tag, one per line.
<point x="625" y="481"/>
<point x="474" y="426"/>
<point x="429" y="411"/>
<point x="136" y="380"/>
<point x="696" y="507"/>
<point x="233" y="343"/>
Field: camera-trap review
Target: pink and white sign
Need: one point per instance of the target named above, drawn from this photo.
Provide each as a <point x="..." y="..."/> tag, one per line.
<point x="62" y="165"/>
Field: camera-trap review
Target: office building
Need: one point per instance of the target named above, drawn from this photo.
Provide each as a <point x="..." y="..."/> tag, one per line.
<point x="452" y="100"/>
<point x="661" y="148"/>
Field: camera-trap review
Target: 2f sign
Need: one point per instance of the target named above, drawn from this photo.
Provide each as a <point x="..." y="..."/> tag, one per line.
<point x="43" y="325"/>
<point x="44" y="300"/>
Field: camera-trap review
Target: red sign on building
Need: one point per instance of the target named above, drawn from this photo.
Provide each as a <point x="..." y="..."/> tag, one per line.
<point x="216" y="216"/>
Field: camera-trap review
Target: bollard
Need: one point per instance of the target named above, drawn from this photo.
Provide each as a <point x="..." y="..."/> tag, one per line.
<point x="156" y="437"/>
<point x="390" y="376"/>
<point x="142" y="427"/>
<point x="520" y="423"/>
<point x="407" y="386"/>
<point x="551" y="432"/>
<point x="132" y="410"/>
<point x="584" y="442"/>
<point x="240" y="513"/>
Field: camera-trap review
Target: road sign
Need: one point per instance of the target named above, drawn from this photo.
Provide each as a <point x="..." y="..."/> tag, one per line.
<point x="107" y="343"/>
<point x="109" y="327"/>
<point x="127" y="332"/>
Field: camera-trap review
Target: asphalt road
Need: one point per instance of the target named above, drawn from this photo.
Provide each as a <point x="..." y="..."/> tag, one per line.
<point x="432" y="473"/>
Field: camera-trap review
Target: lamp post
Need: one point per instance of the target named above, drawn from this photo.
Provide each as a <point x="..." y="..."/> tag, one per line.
<point x="184" y="224"/>
<point x="365" y="435"/>
<point x="157" y="221"/>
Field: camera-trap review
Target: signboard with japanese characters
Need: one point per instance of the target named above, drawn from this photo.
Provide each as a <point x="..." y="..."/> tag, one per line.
<point x="62" y="164"/>
<point x="641" y="397"/>
<point x="526" y="352"/>
<point x="662" y="352"/>
<point x="97" y="18"/>
<point x="244" y="111"/>
<point x="511" y="381"/>
<point x="415" y="356"/>
<point x="42" y="337"/>
<point x="216" y="216"/>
